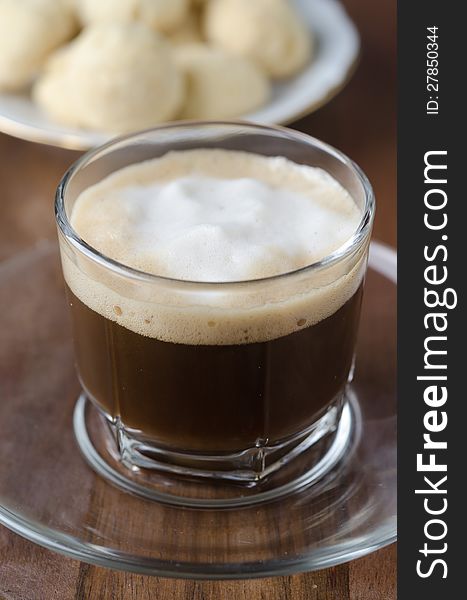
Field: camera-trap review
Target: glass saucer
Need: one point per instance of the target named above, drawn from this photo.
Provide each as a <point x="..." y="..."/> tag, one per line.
<point x="50" y="495"/>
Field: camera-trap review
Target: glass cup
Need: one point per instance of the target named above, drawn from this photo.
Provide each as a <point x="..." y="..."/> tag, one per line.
<point x="270" y="382"/>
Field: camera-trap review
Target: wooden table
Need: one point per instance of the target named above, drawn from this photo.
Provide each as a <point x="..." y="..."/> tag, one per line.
<point x="361" y="122"/>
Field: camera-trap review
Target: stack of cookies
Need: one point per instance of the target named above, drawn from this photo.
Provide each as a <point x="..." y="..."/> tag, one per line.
<point x="122" y="65"/>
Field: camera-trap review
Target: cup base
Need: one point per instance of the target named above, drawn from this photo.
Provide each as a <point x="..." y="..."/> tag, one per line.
<point x="252" y="476"/>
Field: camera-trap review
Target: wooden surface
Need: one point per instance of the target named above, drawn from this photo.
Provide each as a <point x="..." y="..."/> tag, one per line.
<point x="361" y="122"/>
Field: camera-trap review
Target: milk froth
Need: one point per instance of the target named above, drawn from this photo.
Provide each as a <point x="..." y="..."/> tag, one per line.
<point x="215" y="216"/>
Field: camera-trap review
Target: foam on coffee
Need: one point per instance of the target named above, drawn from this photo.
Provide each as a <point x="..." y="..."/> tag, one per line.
<point x="215" y="216"/>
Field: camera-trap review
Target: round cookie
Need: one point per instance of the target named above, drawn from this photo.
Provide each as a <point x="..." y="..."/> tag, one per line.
<point x="219" y="85"/>
<point x="29" y="31"/>
<point x="265" y="31"/>
<point x="114" y="78"/>
<point x="161" y="15"/>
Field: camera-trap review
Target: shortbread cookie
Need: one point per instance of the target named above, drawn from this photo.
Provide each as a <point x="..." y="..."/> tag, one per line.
<point x="29" y="31"/>
<point x="113" y="77"/>
<point x="161" y="15"/>
<point x="265" y="31"/>
<point x="219" y="85"/>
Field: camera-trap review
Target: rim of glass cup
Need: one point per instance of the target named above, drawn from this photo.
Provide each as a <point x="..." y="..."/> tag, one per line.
<point x="351" y="245"/>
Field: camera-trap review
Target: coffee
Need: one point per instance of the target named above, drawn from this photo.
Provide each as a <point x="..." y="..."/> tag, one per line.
<point x="205" y="397"/>
<point x="231" y="365"/>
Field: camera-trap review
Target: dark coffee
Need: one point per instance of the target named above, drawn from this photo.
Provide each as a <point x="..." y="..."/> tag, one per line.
<point x="215" y="397"/>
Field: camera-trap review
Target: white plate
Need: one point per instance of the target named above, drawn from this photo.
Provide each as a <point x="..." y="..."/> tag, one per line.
<point x="336" y="51"/>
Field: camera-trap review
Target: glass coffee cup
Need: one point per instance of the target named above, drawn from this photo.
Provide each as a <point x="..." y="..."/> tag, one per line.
<point x="258" y="369"/>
